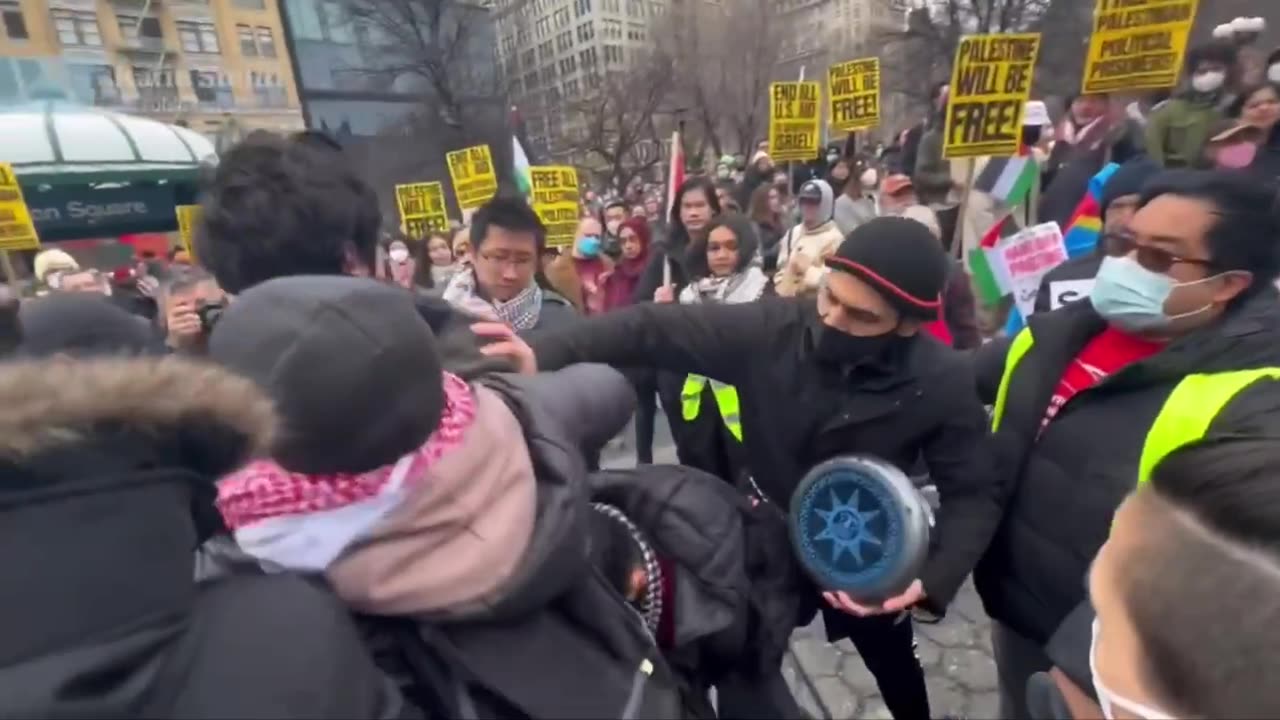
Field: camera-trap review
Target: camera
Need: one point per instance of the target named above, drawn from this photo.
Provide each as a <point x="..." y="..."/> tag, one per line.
<point x="209" y="315"/>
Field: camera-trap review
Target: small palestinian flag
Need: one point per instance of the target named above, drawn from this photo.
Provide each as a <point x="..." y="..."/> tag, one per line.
<point x="1008" y="180"/>
<point x="990" y="280"/>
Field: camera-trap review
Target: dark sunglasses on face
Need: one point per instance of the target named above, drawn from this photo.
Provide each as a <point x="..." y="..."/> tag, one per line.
<point x="1150" y="258"/>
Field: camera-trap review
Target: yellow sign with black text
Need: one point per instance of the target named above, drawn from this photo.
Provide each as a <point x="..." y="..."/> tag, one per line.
<point x="422" y="209"/>
<point x="17" y="231"/>
<point x="188" y="217"/>
<point x="1137" y="44"/>
<point x="555" y="199"/>
<point x="474" y="180"/>
<point x="990" y="86"/>
<point x="795" y="125"/>
<point x="854" y="87"/>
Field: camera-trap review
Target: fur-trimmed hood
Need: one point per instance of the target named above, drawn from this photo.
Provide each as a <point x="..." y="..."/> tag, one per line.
<point x="214" y="420"/>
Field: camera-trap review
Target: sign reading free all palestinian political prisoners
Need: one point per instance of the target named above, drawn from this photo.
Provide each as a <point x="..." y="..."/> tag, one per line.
<point x="990" y="85"/>
<point x="474" y="181"/>
<point x="854" y="87"/>
<point x="555" y="199"/>
<point x="1137" y="44"/>
<point x="795" y="127"/>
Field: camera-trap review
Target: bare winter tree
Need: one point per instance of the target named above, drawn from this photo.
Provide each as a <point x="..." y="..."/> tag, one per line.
<point x="621" y="130"/>
<point x="922" y="50"/>
<point x="727" y="55"/>
<point x="442" y="52"/>
<point x="442" y="43"/>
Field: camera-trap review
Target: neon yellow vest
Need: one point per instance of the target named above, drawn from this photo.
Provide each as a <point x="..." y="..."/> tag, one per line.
<point x="726" y="398"/>
<point x="1184" y="418"/>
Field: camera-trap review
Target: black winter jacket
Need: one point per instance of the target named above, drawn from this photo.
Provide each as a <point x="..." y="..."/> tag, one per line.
<point x="101" y="615"/>
<point x="1062" y="485"/>
<point x="797" y="412"/>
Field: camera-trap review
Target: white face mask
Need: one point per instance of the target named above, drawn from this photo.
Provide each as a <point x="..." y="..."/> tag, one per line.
<point x="1208" y="81"/>
<point x="1108" y="700"/>
<point x="398" y="255"/>
<point x="869" y="178"/>
<point x="613" y="226"/>
<point x="1273" y="73"/>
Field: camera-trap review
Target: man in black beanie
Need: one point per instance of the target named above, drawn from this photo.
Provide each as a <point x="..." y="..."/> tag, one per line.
<point x="847" y="372"/>
<point x="1070" y="281"/>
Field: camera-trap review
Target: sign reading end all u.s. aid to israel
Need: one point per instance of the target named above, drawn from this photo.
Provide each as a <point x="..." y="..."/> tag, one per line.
<point x="1138" y="44"/>
<point x="795" y="120"/>
<point x="990" y="86"/>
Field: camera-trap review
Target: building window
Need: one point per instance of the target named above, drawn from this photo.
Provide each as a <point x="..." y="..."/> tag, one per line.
<point x="250" y="4"/>
<point x="212" y="89"/>
<point x="268" y="91"/>
<point x="266" y="42"/>
<point x="198" y="37"/>
<point x="612" y="55"/>
<point x="15" y="26"/>
<point x="581" y="7"/>
<point x="77" y="27"/>
<point x="157" y="90"/>
<point x="94" y="84"/>
<point x="248" y="46"/>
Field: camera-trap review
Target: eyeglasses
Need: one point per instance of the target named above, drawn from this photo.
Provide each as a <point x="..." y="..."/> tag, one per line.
<point x="1151" y="258"/>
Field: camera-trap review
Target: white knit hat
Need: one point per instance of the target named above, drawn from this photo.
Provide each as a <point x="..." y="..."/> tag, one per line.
<point x="51" y="261"/>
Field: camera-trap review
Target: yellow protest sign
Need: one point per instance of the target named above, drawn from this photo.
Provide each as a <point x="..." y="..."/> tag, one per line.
<point x="422" y="209"/>
<point x="795" y="127"/>
<point x="17" y="231"/>
<point x="990" y="85"/>
<point x="1137" y="44"/>
<point x="854" y="87"/>
<point x="188" y="217"/>
<point x="555" y="199"/>
<point x="474" y="180"/>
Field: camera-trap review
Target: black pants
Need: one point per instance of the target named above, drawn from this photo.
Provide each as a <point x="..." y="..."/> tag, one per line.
<point x="888" y="648"/>
<point x="645" y="382"/>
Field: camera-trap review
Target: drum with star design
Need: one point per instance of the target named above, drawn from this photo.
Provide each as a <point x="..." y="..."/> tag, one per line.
<point x="859" y="525"/>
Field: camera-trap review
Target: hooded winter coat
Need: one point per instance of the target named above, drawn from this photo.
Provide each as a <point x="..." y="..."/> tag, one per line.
<point x="107" y="466"/>
<point x="816" y="242"/>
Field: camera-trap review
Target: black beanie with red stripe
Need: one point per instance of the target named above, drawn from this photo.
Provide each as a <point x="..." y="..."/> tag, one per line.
<point x="901" y="259"/>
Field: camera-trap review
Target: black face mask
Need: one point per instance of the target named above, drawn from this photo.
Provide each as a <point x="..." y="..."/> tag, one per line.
<point x="840" y="349"/>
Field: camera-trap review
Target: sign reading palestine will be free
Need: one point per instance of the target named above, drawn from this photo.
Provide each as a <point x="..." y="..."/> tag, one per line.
<point x="854" y="87"/>
<point x="1137" y="44"/>
<point x="990" y="86"/>
<point x="422" y="209"/>
<point x="795" y="125"/>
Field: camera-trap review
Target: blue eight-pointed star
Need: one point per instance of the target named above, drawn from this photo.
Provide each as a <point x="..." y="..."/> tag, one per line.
<point x="847" y="527"/>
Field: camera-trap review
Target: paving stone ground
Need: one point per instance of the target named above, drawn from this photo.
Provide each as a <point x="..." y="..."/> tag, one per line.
<point x="956" y="653"/>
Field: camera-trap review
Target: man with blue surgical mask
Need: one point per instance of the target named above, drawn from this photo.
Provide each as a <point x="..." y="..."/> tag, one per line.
<point x="1085" y="395"/>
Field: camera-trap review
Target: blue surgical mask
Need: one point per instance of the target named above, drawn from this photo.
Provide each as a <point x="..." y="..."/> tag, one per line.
<point x="1132" y="297"/>
<point x="589" y="246"/>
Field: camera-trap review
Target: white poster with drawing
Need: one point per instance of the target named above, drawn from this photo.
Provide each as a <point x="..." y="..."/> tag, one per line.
<point x="1027" y="256"/>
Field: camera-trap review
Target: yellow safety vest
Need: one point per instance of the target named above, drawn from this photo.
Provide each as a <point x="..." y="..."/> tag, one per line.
<point x="726" y="398"/>
<point x="1183" y="419"/>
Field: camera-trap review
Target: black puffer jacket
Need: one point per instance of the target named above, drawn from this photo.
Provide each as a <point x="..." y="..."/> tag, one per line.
<point x="1063" y="484"/>
<point x="101" y="464"/>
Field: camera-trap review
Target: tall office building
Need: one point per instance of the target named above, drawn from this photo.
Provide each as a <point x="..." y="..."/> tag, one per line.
<point x="554" y="53"/>
<point x="218" y="66"/>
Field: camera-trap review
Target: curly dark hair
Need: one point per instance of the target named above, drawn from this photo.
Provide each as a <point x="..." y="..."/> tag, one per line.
<point x="279" y="206"/>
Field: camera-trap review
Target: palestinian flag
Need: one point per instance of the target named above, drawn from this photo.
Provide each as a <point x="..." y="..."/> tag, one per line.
<point x="675" y="178"/>
<point x="520" y="167"/>
<point x="990" y="281"/>
<point x="1008" y="180"/>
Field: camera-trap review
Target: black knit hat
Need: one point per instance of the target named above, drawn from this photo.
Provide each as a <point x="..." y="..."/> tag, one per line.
<point x="901" y="259"/>
<point x="351" y="365"/>
<point x="1128" y="179"/>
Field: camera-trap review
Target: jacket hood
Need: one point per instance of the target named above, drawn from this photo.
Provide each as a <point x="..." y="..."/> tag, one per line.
<point x="827" y="205"/>
<point x="104" y="466"/>
<point x="200" y="417"/>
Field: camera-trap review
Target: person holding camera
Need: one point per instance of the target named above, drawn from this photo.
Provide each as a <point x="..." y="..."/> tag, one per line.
<point x="192" y="301"/>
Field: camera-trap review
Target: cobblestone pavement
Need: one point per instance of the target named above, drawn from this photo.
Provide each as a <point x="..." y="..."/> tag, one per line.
<point x="956" y="653"/>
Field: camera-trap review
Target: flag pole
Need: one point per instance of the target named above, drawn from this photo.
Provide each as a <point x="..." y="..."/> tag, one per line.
<point x="673" y="172"/>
